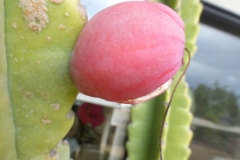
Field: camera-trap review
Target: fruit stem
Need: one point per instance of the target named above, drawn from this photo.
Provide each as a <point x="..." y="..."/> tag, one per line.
<point x="170" y="101"/>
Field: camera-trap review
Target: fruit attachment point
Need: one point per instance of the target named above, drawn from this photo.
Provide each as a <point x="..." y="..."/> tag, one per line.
<point x="153" y="94"/>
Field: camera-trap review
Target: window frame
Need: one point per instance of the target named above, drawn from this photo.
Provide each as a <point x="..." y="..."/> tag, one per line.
<point x="220" y="18"/>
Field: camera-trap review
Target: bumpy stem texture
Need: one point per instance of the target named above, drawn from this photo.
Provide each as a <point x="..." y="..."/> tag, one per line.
<point x="177" y="132"/>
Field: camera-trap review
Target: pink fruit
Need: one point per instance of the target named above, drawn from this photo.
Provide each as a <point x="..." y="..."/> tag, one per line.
<point x="128" y="51"/>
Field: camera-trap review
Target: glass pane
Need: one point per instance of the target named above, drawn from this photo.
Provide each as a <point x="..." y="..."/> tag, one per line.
<point x="214" y="77"/>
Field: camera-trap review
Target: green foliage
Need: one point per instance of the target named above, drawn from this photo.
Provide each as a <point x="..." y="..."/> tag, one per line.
<point x="36" y="91"/>
<point x="177" y="135"/>
<point x="214" y="102"/>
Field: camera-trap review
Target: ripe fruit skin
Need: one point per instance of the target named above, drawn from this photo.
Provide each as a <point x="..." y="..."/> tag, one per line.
<point x="128" y="50"/>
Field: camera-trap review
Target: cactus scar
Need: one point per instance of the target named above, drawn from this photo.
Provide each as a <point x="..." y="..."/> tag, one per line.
<point x="46" y="121"/>
<point x="35" y="13"/>
<point x="28" y="94"/>
<point x="55" y="106"/>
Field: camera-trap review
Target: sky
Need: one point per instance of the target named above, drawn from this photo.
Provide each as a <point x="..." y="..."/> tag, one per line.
<point x="218" y="54"/>
<point x="217" y="59"/>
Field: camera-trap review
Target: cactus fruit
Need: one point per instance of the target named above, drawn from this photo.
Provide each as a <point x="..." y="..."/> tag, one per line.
<point x="128" y="50"/>
<point x="36" y="90"/>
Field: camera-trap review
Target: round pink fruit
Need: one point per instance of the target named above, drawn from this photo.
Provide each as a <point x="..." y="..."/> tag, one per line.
<point x="128" y="51"/>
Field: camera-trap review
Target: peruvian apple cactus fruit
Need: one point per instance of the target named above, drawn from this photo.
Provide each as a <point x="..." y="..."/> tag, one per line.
<point x="129" y="52"/>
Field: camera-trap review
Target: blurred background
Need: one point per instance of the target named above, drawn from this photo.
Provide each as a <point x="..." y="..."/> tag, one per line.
<point x="213" y="78"/>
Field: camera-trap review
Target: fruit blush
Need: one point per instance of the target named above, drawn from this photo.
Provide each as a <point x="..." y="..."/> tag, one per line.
<point x="127" y="51"/>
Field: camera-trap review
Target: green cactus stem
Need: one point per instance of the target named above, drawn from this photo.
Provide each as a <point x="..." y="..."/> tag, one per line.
<point x="36" y="90"/>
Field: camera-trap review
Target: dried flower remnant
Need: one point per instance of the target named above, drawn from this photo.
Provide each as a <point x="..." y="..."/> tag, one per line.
<point x="35" y="12"/>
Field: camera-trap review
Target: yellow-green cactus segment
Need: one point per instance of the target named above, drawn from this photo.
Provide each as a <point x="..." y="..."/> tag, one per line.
<point x="61" y="152"/>
<point x="177" y="133"/>
<point x="64" y="151"/>
<point x="7" y="140"/>
<point x="39" y="84"/>
<point x="144" y="130"/>
<point x="190" y="13"/>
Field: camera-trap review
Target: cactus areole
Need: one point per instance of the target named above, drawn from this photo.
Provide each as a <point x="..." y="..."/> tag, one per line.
<point x="129" y="52"/>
